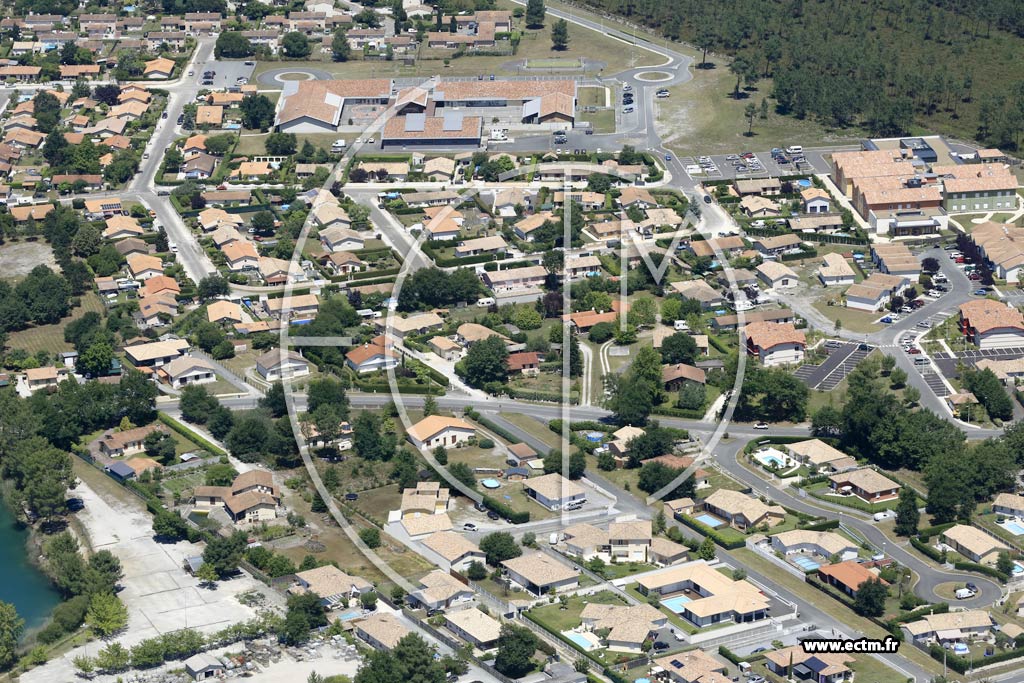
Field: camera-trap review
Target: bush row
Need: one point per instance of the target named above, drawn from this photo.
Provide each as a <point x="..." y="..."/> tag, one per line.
<point x="513" y="516"/>
<point x="497" y="429"/>
<point x="713" y="534"/>
<point x="535" y="395"/>
<point x="189" y="434"/>
<point x="961" y="664"/>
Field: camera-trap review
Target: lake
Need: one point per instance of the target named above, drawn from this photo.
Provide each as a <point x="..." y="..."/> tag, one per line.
<point x="21" y="582"/>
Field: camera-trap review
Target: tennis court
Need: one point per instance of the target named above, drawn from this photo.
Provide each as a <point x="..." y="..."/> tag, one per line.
<point x="676" y="604"/>
<point x="709" y="520"/>
<point x="806" y="563"/>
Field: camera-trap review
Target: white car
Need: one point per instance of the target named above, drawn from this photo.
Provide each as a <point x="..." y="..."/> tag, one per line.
<point x="760" y="425"/>
<point x="370" y="141"/>
<point x="469" y="526"/>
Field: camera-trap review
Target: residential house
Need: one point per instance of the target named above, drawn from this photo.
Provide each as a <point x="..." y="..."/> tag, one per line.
<point x="1009" y="504"/>
<point x="481" y="245"/>
<point x="524" y="362"/>
<point x="673" y="377"/>
<point x="776" y="275"/>
<point x="847" y="576"/>
<point x="334" y="587"/>
<point x="816" y="200"/>
<point x="241" y="255"/>
<point x="276" y="364"/>
<point x="456" y="551"/>
<point x="555" y="492"/>
<point x="445" y="348"/>
<point x="714" y="597"/>
<point x="418" y="323"/>
<point x="475" y="627"/>
<point x="299" y="306"/>
<point x="627" y="626"/>
<point x="513" y="279"/>
<point x="338" y="238"/>
<point x="371" y="358"/>
<point x="835" y="270"/>
<point x="224" y="312"/>
<point x="820" y="456"/>
<point x="129" y="442"/>
<point x="755" y="206"/>
<point x="775" y="343"/>
<point x="865" y="483"/>
<point x="252" y="497"/>
<point x="807" y="666"/>
<point x="119" y="227"/>
<point x="758" y="186"/>
<point x="629" y="541"/>
<point x="742" y="511"/>
<point x="991" y="324"/>
<point x="155" y="354"/>
<point x="381" y="631"/>
<point x="773" y="246"/>
<point x="950" y="627"/>
<point x="159" y="68"/>
<point x="700" y="291"/>
<point x="440" y="590"/>
<point x="188" y="370"/>
<point x="974" y="544"/>
<point x="875" y="291"/>
<point x="143" y="266"/>
<point x="438" y="430"/>
<point x="541" y="574"/>
<point x="428" y="499"/>
<point x="825" y="544"/>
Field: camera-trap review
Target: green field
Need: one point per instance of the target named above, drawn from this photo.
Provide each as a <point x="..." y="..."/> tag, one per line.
<point x="553" y="64"/>
<point x="50" y="338"/>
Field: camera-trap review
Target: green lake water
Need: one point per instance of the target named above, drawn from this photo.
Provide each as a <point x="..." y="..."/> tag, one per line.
<point x="21" y="583"/>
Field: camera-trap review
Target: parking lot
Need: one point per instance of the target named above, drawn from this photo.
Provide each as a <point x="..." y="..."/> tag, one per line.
<point x="841" y="361"/>
<point x="227" y="72"/>
<point x="760" y="164"/>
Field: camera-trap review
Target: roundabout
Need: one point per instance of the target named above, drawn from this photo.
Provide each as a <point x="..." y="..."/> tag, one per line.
<point x="278" y="77"/>
<point x="653" y="76"/>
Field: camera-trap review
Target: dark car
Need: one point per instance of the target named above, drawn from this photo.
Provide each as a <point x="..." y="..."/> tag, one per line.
<point x="249" y="63"/>
<point x="491" y="514"/>
<point x="707" y="199"/>
<point x="351" y="496"/>
<point x="658" y="646"/>
<point x="864" y="347"/>
<point x="75" y="504"/>
<point x="971" y="587"/>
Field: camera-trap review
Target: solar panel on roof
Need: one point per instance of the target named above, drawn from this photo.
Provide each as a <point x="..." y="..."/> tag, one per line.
<point x="452" y="120"/>
<point x="415" y="122"/>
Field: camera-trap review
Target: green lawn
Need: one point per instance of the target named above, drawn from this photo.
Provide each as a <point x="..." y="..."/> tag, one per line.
<point x="592" y="96"/>
<point x="850" y="318"/>
<point x="602" y="121"/>
<point x="534" y="428"/>
<point x="563" y="616"/>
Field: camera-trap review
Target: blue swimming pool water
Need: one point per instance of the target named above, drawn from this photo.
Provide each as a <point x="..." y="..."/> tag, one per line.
<point x="1018" y="569"/>
<point x="806" y="563"/>
<point x="712" y="522"/>
<point x="347" y="616"/>
<point x="490" y="483"/>
<point x="580" y="640"/>
<point x="595" y="437"/>
<point x="676" y="604"/>
<point x="1014" y="528"/>
<point x="769" y="459"/>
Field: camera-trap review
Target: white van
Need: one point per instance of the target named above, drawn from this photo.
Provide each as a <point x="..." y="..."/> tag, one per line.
<point x="553" y="538"/>
<point x="338" y="145"/>
<point x="794" y="149"/>
<point x="486" y="301"/>
<point x="964" y="593"/>
<point x="681" y="326"/>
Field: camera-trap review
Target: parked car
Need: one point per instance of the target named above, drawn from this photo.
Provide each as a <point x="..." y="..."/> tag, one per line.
<point x="760" y="425"/>
<point x="659" y="646"/>
<point x="469" y="526"/>
<point x="707" y="199"/>
<point x="887" y="320"/>
<point x="980" y="292"/>
<point x="491" y="514"/>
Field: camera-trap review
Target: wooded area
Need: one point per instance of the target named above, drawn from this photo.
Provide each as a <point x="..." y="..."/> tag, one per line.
<point x="954" y="67"/>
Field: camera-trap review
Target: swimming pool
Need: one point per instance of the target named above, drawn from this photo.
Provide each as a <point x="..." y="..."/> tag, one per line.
<point x="583" y="640"/>
<point x="348" y="616"/>
<point x="707" y="519"/>
<point x="805" y="563"/>
<point x="1018" y="569"/>
<point x="770" y="457"/>
<point x="490" y="483"/>
<point x="676" y="604"/>
<point x="1014" y="528"/>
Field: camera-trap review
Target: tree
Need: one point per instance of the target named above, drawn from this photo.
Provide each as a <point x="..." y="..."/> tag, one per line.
<point x="257" y="111"/>
<point x="412" y="660"/>
<point x="295" y="45"/>
<point x="212" y="286"/>
<point x="340" y="49"/>
<point x="224" y="554"/>
<point x="679" y="348"/>
<point x="11" y="627"/>
<point x="707" y="550"/>
<point x="740" y="67"/>
<point x="281" y="144"/>
<point x="114" y="657"/>
<point x="220" y="144"/>
<point x="56" y="150"/>
<point x="370" y="536"/>
<point x="429" y="406"/>
<point x="170" y="526"/>
<point x="274" y="400"/>
<point x="87" y="241"/>
<point x="499" y="546"/>
<point x="95" y="361"/>
<point x="107" y="614"/>
<point x="486" y="362"/>
<point x="516" y="645"/>
<point x="750" y="111"/>
<point x="692" y="396"/>
<point x="1004" y="563"/>
<point x="560" y="35"/>
<point x="160" y="446"/>
<point x="577" y="465"/>
<point x="907" y="514"/>
<point x="535" y="12"/>
<point x="870" y="598"/>
<point x="476" y="571"/>
<point x="233" y="44"/>
<point x="369" y="440"/>
<point x="207" y="574"/>
<point x="898" y="378"/>
<point x="911" y="395"/>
